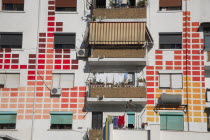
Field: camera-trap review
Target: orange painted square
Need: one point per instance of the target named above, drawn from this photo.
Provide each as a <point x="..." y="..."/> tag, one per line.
<point x="46" y="116"/>
<point x="4" y="105"/>
<point x="28" y="117"/>
<point x="13" y="106"/>
<point x="47" y="105"/>
<point x="4" y="100"/>
<point x="20" y="117"/>
<point x="56" y="106"/>
<point x="13" y="100"/>
<point x="20" y="105"/>
<point x="50" y="40"/>
<point x="82" y="88"/>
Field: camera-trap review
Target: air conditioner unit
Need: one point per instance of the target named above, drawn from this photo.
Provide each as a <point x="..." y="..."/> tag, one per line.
<point x="82" y="53"/>
<point x="56" y="92"/>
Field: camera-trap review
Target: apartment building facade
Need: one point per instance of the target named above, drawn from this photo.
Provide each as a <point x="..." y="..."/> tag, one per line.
<point x="103" y="69"/>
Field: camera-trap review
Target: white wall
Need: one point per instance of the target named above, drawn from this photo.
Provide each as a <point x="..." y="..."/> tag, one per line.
<point x="129" y="135"/>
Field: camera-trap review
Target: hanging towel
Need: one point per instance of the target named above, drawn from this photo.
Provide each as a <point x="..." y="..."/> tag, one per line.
<point x="115" y="122"/>
<point x="121" y="77"/>
<point x="121" y="121"/>
<point x="110" y="78"/>
<point x="109" y="119"/>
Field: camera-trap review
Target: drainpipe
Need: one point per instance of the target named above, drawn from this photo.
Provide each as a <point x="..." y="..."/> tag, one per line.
<point x="186" y="9"/>
<point x="36" y="72"/>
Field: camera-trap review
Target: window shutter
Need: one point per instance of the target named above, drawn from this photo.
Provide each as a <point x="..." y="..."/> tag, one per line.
<point x="11" y="39"/>
<point x="176" y="80"/>
<point x="170" y="3"/>
<point x="164" y="81"/>
<point x="208" y="95"/>
<point x="13" y="1"/>
<point x="12" y="81"/>
<point x="56" y="80"/>
<point x="207" y="42"/>
<point x="8" y="117"/>
<point x="66" y="3"/>
<point x="163" y="122"/>
<point x="61" y="117"/>
<point x="65" y="38"/>
<point x="175" y="122"/>
<point x="170" y="38"/>
<point x="131" y="117"/>
<point x="2" y="79"/>
<point x="67" y="81"/>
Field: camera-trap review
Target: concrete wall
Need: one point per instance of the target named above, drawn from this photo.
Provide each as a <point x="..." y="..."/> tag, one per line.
<point x="130" y="135"/>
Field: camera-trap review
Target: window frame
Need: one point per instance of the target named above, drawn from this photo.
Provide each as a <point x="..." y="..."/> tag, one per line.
<point x="170" y="74"/>
<point x="11" y="45"/>
<point x="13" y="5"/>
<point x="59" y="85"/>
<point x="61" y="126"/>
<point x="175" y="45"/>
<point x="72" y="46"/>
<point x="5" y="85"/>
<point x="8" y="125"/>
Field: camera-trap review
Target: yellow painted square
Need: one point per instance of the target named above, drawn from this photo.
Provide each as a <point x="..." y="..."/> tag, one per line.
<point x="196" y="84"/>
<point x="196" y="90"/>
<point x="197" y="119"/>
<point x="150" y="119"/>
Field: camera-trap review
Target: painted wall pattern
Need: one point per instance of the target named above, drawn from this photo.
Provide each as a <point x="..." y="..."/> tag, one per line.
<point x="193" y="74"/>
<point x="39" y="78"/>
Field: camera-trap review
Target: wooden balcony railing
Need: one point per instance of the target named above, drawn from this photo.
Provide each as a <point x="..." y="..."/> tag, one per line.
<point x="118" y="92"/>
<point x="120" y="13"/>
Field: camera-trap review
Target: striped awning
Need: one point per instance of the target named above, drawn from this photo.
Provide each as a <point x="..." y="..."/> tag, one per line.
<point x="117" y="33"/>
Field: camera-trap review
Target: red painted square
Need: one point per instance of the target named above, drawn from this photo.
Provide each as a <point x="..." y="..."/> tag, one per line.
<point x="57" y="61"/>
<point x="195" y="23"/>
<point x="74" y="61"/>
<point x="74" y="67"/>
<point x="31" y="77"/>
<point x="57" y="67"/>
<point x="73" y="100"/>
<point x="177" y="68"/>
<point x="82" y="88"/>
<point x="73" y="105"/>
<point x="51" y="18"/>
<point x="159" y="63"/>
<point x="150" y="67"/>
<point x="23" y="66"/>
<point x="82" y="94"/>
<point x="196" y="73"/>
<point x="41" y="66"/>
<point x="65" y="94"/>
<point x="65" y="100"/>
<point x="169" y="68"/>
<point x="41" y="61"/>
<point x="196" y="78"/>
<point x="51" y="29"/>
<point x="74" y="88"/>
<point x="31" y="72"/>
<point x="66" y="67"/>
<point x="150" y="72"/>
<point x="159" y="67"/>
<point x="73" y="94"/>
<point x="1" y="60"/>
<point x="158" y="52"/>
<point x="150" y="95"/>
<point x="51" y="23"/>
<point x="150" y="101"/>
<point x="6" y="60"/>
<point x="64" y="105"/>
<point x="7" y="55"/>
<point x="177" y="52"/>
<point x="177" y="63"/>
<point x="66" y="61"/>
<point x="50" y="34"/>
<point x="14" y="94"/>
<point x="150" y="84"/>
<point x="41" y="56"/>
<point x="14" y="66"/>
<point x="6" y="66"/>
<point x="150" y="90"/>
<point x="158" y="57"/>
<point x="195" y="63"/>
<point x="177" y="57"/>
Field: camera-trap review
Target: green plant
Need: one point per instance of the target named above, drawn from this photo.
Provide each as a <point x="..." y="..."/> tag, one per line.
<point x="141" y="3"/>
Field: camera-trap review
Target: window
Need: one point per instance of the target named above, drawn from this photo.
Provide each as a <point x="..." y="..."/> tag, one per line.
<point x="61" y="120"/>
<point x="170" y="40"/>
<point x="171" y="121"/>
<point x="100" y="3"/>
<point x="63" y="80"/>
<point x="9" y="80"/>
<point x="7" y="119"/>
<point x="66" y="5"/>
<point x="65" y="40"/>
<point x="208" y="120"/>
<point x="13" y="5"/>
<point x="97" y="118"/>
<point x="207" y="38"/>
<point x="168" y="5"/>
<point x="131" y="119"/>
<point x="10" y="40"/>
<point x="170" y="81"/>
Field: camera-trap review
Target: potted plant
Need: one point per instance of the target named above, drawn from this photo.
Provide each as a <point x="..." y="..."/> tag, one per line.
<point x="141" y="82"/>
<point x="141" y="3"/>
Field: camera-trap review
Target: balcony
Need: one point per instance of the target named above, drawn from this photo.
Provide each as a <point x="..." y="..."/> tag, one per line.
<point x="120" y="13"/>
<point x="95" y="134"/>
<point x="117" y="95"/>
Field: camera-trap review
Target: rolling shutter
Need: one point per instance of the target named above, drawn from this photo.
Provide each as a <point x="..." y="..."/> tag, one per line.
<point x="61" y="117"/>
<point x="8" y="117"/>
<point x="164" y="80"/>
<point x="13" y="1"/>
<point x="67" y="81"/>
<point x="12" y="80"/>
<point x="65" y="38"/>
<point x="97" y="118"/>
<point x="176" y="80"/>
<point x="66" y="3"/>
<point x="171" y="121"/>
<point x="170" y="38"/>
<point x="11" y="39"/>
<point x="131" y="117"/>
<point x="170" y="3"/>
